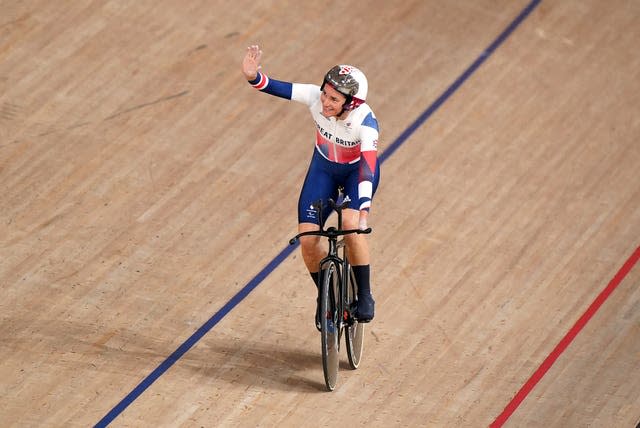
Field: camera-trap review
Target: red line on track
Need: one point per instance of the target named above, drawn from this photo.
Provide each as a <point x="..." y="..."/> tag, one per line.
<point x="566" y="340"/>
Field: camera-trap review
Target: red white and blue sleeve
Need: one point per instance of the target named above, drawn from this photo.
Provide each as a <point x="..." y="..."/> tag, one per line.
<point x="304" y="93"/>
<point x="272" y="86"/>
<point x="368" y="159"/>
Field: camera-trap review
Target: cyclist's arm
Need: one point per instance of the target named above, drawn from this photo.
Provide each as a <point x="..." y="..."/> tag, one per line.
<point x="368" y="160"/>
<point x="304" y="93"/>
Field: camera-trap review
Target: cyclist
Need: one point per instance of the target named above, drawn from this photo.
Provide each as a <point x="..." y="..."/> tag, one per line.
<point x="345" y="155"/>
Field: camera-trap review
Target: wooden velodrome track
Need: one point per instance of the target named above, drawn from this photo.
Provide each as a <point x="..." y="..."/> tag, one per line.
<point x="143" y="184"/>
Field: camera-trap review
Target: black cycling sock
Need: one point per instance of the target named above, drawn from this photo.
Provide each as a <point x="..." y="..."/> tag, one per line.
<point x="316" y="278"/>
<point x="362" y="275"/>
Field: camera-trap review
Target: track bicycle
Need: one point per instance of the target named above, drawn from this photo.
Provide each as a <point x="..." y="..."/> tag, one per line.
<point x="338" y="296"/>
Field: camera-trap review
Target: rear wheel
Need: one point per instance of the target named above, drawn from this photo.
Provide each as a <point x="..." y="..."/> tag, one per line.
<point x="329" y="327"/>
<point x="355" y="331"/>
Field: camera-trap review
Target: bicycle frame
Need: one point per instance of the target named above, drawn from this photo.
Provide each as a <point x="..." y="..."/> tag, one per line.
<point x="342" y="263"/>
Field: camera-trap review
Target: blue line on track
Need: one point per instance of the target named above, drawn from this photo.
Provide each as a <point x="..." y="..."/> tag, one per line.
<point x="277" y="260"/>
<point x="195" y="337"/>
<point x="458" y="82"/>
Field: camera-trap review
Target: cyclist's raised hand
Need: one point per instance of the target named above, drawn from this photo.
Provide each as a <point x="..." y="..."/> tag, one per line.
<point x="251" y="62"/>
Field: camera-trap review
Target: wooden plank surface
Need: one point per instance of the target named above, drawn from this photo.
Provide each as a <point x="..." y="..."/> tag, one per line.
<point x="143" y="184"/>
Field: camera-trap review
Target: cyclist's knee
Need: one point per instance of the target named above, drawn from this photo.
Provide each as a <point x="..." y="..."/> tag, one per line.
<point x="350" y="219"/>
<point x="310" y="245"/>
<point x="309" y="242"/>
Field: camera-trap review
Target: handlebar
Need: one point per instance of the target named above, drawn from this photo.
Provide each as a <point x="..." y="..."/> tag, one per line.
<point x="331" y="232"/>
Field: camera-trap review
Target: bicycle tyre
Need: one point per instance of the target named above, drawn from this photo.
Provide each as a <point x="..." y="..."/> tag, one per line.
<point x="329" y="327"/>
<point x="354" y="336"/>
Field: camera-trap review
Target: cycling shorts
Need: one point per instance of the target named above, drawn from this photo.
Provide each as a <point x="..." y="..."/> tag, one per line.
<point x="322" y="182"/>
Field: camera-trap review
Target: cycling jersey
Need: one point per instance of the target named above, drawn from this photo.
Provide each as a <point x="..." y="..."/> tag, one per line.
<point x="350" y="140"/>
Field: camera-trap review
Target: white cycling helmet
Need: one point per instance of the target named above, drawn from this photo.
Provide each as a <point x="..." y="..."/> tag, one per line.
<point x="350" y="82"/>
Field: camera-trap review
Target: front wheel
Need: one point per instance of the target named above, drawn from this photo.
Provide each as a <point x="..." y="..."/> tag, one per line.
<point x="329" y="324"/>
<point x="354" y="336"/>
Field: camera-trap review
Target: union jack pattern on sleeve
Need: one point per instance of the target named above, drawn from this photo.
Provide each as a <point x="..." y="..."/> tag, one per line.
<point x="272" y="86"/>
